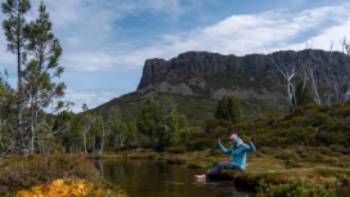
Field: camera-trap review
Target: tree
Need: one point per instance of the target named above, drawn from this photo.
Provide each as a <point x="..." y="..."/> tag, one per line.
<point x="119" y="134"/>
<point x="288" y="72"/>
<point x="43" y="68"/>
<point x="7" y="116"/>
<point x="176" y="125"/>
<point x="304" y="94"/>
<point x="149" y="122"/>
<point x="98" y="136"/>
<point x="67" y="128"/>
<point x="310" y="69"/>
<point x="14" y="24"/>
<point x="88" y="120"/>
<point x="336" y="83"/>
<point x="228" y="109"/>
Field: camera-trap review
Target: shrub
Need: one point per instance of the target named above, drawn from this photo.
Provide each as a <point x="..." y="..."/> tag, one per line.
<point x="311" y="107"/>
<point x="299" y="189"/>
<point x="344" y="111"/>
<point x="319" y="119"/>
<point x="18" y="172"/>
<point x="176" y="150"/>
<point x="331" y="138"/>
<point x="199" y="144"/>
<point x="340" y="149"/>
<point x="290" y="158"/>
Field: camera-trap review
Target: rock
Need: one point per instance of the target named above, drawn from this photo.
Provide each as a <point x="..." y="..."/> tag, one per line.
<point x="204" y="73"/>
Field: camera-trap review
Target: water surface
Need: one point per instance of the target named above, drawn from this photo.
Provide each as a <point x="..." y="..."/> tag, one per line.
<point x="146" y="178"/>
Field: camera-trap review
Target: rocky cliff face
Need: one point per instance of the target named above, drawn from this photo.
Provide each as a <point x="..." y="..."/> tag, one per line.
<point x="251" y="76"/>
<point x="193" y="81"/>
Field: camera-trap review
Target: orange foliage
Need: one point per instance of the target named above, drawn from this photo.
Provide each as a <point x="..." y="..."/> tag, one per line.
<point x="62" y="188"/>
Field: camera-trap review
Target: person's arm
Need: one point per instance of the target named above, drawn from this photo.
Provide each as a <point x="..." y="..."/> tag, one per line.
<point x="224" y="149"/>
<point x="251" y="145"/>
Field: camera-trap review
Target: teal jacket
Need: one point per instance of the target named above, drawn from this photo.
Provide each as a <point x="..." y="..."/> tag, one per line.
<point x="239" y="153"/>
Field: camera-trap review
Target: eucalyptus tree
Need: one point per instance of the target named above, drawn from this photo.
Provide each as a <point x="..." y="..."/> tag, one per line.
<point x="337" y="80"/>
<point x="43" y="69"/>
<point x="97" y="136"/>
<point x="13" y="25"/>
<point x="88" y="120"/>
<point x="287" y="70"/>
<point x="310" y="69"/>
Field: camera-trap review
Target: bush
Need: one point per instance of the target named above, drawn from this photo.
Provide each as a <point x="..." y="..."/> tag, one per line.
<point x="344" y="111"/>
<point x="319" y="119"/>
<point x="290" y="158"/>
<point x="176" y="150"/>
<point x="18" y="172"/>
<point x="340" y="149"/>
<point x="199" y="144"/>
<point x="332" y="138"/>
<point x="311" y="107"/>
<point x="299" y="189"/>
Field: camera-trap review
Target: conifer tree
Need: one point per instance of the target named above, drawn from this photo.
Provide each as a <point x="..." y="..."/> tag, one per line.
<point x="228" y="109"/>
<point x="303" y="94"/>
<point x="43" y="68"/>
<point x="150" y="120"/>
<point x="13" y="25"/>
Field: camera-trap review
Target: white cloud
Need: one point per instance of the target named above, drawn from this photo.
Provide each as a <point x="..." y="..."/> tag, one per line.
<point x="88" y="30"/>
<point x="91" y="98"/>
<point x="238" y="34"/>
<point x="244" y="34"/>
<point x="332" y="35"/>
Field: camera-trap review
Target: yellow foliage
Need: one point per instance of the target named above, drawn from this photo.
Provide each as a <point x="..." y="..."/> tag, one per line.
<point x="62" y="188"/>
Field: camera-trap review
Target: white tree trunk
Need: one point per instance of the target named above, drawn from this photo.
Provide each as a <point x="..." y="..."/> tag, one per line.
<point x="317" y="98"/>
<point x="102" y="141"/>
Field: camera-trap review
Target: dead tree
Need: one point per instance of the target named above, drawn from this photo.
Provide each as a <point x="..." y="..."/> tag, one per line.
<point x="288" y="73"/>
<point x="336" y="81"/>
<point x="310" y="68"/>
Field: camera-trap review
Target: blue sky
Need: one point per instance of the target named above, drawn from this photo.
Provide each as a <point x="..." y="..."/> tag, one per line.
<point x="107" y="41"/>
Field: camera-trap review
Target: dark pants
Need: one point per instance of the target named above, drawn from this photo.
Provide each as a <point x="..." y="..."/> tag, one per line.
<point x="211" y="173"/>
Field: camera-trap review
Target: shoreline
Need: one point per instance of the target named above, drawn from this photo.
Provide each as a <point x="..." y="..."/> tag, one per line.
<point x="271" y="170"/>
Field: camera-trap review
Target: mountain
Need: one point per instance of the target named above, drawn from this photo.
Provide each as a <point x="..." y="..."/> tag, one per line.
<point x="194" y="81"/>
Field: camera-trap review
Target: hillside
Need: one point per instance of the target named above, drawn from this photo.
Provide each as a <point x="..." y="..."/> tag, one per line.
<point x="194" y="81"/>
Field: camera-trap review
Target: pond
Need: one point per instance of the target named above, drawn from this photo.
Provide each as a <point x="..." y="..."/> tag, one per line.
<point x="147" y="178"/>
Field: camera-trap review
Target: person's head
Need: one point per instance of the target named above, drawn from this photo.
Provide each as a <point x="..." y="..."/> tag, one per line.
<point x="235" y="139"/>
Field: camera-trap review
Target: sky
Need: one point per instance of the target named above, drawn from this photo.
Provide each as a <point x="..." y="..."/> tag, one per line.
<point x="106" y="42"/>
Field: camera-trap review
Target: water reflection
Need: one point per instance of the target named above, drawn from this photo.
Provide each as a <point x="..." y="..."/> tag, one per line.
<point x="155" y="179"/>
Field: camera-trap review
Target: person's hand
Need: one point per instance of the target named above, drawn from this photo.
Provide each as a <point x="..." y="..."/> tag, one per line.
<point x="249" y="140"/>
<point x="219" y="141"/>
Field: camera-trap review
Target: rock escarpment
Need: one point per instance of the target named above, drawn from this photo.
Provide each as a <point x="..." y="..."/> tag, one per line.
<point x="250" y="76"/>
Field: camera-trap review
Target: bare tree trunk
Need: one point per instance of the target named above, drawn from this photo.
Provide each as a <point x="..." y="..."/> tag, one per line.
<point x="288" y="73"/>
<point x="290" y="96"/>
<point x="19" y="116"/>
<point x="293" y="103"/>
<point x="85" y="141"/>
<point x="94" y="140"/>
<point x="32" y="131"/>
<point x="102" y="141"/>
<point x="317" y="98"/>
<point x="85" y="132"/>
